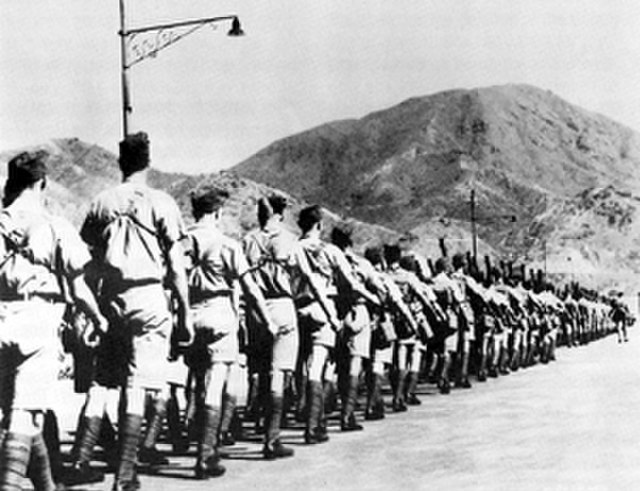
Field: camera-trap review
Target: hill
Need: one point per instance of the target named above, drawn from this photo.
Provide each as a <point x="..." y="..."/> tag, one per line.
<point x="79" y="171"/>
<point x="535" y="162"/>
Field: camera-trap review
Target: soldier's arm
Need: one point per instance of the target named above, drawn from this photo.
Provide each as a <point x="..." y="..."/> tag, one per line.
<point x="418" y="290"/>
<point x="177" y="282"/>
<point x="254" y="296"/>
<point x="87" y="303"/>
<point x="395" y="298"/>
<point x="344" y="270"/>
<point x="316" y="291"/>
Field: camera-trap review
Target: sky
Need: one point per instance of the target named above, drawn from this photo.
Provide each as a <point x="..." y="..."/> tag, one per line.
<point x="210" y="101"/>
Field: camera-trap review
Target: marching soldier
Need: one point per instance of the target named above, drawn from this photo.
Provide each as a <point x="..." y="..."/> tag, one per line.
<point x="320" y="267"/>
<point x="270" y="251"/>
<point x="134" y="232"/>
<point x="364" y="291"/>
<point x="466" y="320"/>
<point x="42" y="261"/>
<point x="619" y="316"/>
<point x="444" y="289"/>
<point x="217" y="266"/>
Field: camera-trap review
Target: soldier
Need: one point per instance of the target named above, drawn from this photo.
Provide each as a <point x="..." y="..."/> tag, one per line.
<point x="270" y="251"/>
<point x="42" y="261"/>
<point x="466" y="319"/>
<point x="392" y="312"/>
<point x="217" y="266"/>
<point x="444" y="289"/>
<point x="363" y="291"/>
<point x="134" y="232"/>
<point x="618" y="314"/>
<point x="407" y="354"/>
<point x="319" y="269"/>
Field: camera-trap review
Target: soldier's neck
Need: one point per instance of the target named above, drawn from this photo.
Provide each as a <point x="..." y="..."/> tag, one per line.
<point x="210" y="219"/>
<point x="29" y="199"/>
<point x="139" y="177"/>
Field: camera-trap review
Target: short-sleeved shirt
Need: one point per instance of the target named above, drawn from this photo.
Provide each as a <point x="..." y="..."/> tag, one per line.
<point x="326" y="262"/>
<point x="270" y="252"/>
<point x="36" y="251"/>
<point x="365" y="273"/>
<point x="129" y="229"/>
<point x="217" y="262"/>
<point x="409" y="285"/>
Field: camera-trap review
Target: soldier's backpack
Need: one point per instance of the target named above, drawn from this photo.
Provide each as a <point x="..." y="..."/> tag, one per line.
<point x="134" y="249"/>
<point x="19" y="266"/>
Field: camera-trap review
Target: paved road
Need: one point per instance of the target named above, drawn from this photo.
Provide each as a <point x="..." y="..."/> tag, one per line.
<point x="569" y="425"/>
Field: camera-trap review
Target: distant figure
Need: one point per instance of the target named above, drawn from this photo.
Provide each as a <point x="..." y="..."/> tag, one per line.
<point x="620" y="316"/>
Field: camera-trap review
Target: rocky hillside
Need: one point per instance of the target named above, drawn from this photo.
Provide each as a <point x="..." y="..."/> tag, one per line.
<point x="79" y="171"/>
<point x="531" y="157"/>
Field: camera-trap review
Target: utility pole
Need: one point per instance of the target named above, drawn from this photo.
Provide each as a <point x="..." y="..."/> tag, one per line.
<point x="474" y="234"/>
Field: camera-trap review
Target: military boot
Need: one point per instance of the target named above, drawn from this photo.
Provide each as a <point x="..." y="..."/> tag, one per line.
<point x="149" y="454"/>
<point x="86" y="439"/>
<point x="273" y="447"/>
<point x="208" y="462"/>
<point x="314" y="433"/>
<point x="228" y="410"/>
<point x="347" y="417"/>
<point x="130" y="432"/>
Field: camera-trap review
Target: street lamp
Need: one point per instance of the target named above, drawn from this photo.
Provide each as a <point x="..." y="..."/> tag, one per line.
<point x="143" y="47"/>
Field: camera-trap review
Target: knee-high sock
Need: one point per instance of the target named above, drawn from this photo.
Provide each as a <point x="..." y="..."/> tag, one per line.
<point x="14" y="459"/>
<point x="315" y="401"/>
<point x="159" y="412"/>
<point x="39" y="470"/>
<point x="274" y="415"/>
<point x="130" y="433"/>
<point x="87" y="438"/>
<point x="351" y="398"/>
<point x="228" y="408"/>
<point x="208" y="444"/>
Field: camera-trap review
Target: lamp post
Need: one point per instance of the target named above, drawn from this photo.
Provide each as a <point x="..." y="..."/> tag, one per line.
<point x="142" y="48"/>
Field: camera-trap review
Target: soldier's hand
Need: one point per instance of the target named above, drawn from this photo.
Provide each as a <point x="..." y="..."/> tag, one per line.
<point x="91" y="336"/>
<point x="335" y="323"/>
<point x="273" y="329"/>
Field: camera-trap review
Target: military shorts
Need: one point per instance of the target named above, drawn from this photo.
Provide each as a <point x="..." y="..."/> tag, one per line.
<point x="216" y="323"/>
<point x="136" y="348"/>
<point x="29" y="348"/>
<point x="282" y="313"/>
<point x="314" y="325"/>
<point x="357" y="331"/>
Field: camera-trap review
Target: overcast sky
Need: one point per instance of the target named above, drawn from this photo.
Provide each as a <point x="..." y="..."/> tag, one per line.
<point x="210" y="101"/>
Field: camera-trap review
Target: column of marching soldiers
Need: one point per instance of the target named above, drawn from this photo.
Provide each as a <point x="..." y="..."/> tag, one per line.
<point x="152" y="309"/>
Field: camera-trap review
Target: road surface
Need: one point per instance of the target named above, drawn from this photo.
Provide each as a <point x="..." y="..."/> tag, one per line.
<point x="570" y="425"/>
